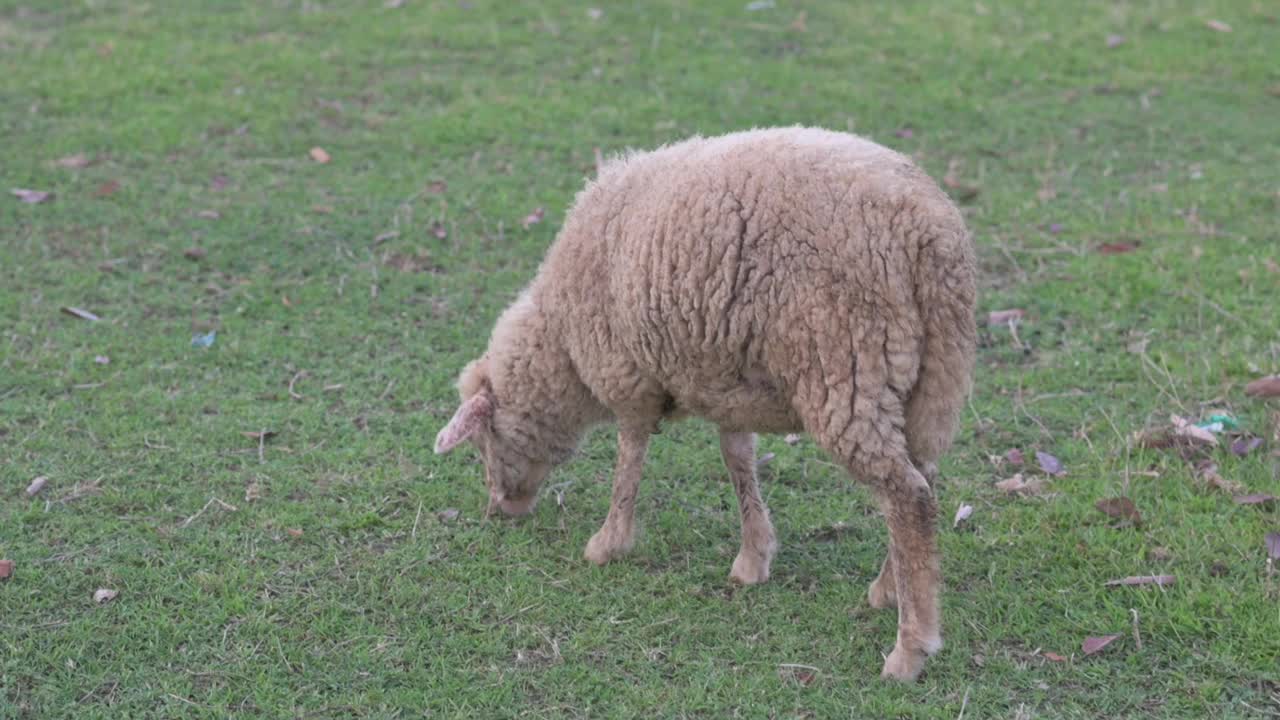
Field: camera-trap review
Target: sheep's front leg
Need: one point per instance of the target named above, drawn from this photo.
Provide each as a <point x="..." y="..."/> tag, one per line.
<point x="616" y="536"/>
<point x="758" y="540"/>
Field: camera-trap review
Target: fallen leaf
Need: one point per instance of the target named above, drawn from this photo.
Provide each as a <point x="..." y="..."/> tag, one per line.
<point x="436" y="187"/>
<point x="1121" y="508"/>
<point x="82" y="314"/>
<point x="1273" y="546"/>
<point x="1219" y="569"/>
<point x="1014" y="456"/>
<point x="791" y="439"/>
<point x="209" y="214"/>
<point x="6" y="569"/>
<point x="1159" y="554"/>
<point x="1218" y="25"/>
<point x="1244" y="446"/>
<point x="765" y="459"/>
<point x="1056" y="228"/>
<point x="1117" y="248"/>
<point x="980" y="660"/>
<point x="388" y="235"/>
<point x="800" y="24"/>
<point x="322" y="209"/>
<point x="31" y="197"/>
<point x="195" y="253"/>
<point x="964" y="191"/>
<point x="1255" y="499"/>
<point x="1115" y="41"/>
<point x="107" y="188"/>
<point x="1207" y="470"/>
<point x="103" y="595"/>
<point x="962" y="513"/>
<point x="102" y="359"/>
<point x="448" y="515"/>
<point x="77" y="161"/>
<point x="438" y="230"/>
<point x="1187" y="429"/>
<point x="259" y="434"/>
<point x="218" y="182"/>
<point x="1264" y="387"/>
<point x="906" y="133"/>
<point x="36" y="486"/>
<point x="532" y="218"/>
<point x="294" y="532"/>
<point x="1271" y="265"/>
<point x="1020" y="485"/>
<point x="1158" y="580"/>
<point x="1001" y="318"/>
<point x="1050" y="464"/>
<point x="801" y="675"/>
<point x="1092" y="645"/>
<point x="253" y="491"/>
<point x="1055" y="657"/>
<point x="319" y="155"/>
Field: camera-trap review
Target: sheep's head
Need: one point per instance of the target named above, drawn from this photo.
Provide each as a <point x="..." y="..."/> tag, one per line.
<point x="515" y="463"/>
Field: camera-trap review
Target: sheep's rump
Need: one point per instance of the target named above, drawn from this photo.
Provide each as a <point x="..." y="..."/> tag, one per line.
<point x="758" y="278"/>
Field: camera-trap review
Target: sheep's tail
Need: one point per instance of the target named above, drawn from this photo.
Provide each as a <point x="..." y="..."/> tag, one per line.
<point x="946" y="293"/>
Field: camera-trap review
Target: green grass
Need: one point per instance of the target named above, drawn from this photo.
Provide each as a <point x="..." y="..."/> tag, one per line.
<point x="381" y="609"/>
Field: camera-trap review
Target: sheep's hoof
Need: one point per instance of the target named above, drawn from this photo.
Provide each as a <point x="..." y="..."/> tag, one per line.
<point x="903" y="665"/>
<point x="749" y="569"/>
<point x="602" y="548"/>
<point x="882" y="595"/>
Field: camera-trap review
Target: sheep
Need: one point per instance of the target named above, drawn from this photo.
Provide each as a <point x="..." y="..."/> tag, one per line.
<point x="774" y="280"/>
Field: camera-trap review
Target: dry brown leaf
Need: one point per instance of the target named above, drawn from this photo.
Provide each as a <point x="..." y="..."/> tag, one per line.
<point x="1117" y="248"/>
<point x="195" y="253"/>
<point x="1002" y="318"/>
<point x="294" y="532"/>
<point x="448" y="515"/>
<point x="75" y="162"/>
<point x="1264" y="387"/>
<point x="1255" y="499"/>
<point x="1207" y="471"/>
<point x="319" y="155"/>
<point x="1115" y="41"/>
<point x="31" y="197"/>
<point x="1014" y="456"/>
<point x="259" y="434"/>
<point x="253" y="491"/>
<point x="1092" y="645"/>
<point x="388" y="235"/>
<point x="1120" y="508"/>
<point x="436" y="187"/>
<point x="6" y="569"/>
<point x="1187" y="429"/>
<point x="1018" y="485"/>
<point x="533" y="218"/>
<point x="36" y="486"/>
<point x="1050" y="464"/>
<point x="1218" y="26"/>
<point x="1055" y="657"/>
<point x="1245" y="445"/>
<point x="107" y="188"/>
<point x="438" y="231"/>
<point x="79" y="313"/>
<point x="1158" y="580"/>
<point x="103" y="595"/>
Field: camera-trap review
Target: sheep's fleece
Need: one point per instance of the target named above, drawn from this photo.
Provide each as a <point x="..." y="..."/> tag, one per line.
<point x="776" y="280"/>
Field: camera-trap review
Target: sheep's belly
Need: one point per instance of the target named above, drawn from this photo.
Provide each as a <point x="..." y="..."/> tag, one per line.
<point x="748" y="407"/>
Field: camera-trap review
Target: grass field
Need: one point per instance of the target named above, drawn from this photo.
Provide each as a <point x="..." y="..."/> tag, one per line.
<point x="1117" y="162"/>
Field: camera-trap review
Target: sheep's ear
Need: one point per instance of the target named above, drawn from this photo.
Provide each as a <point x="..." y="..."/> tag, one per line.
<point x="470" y="416"/>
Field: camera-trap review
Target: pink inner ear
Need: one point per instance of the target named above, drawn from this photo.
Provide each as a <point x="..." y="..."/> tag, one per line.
<point x="466" y="421"/>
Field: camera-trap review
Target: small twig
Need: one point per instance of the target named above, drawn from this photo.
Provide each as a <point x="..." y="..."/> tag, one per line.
<point x="296" y="377"/>
<point x="213" y="500"/>
<point x="963" y="704"/>
<point x="182" y="699"/>
<point x="416" y="518"/>
<point x="797" y="666"/>
<point x="262" y="445"/>
<point x="387" y="392"/>
<point x="1137" y="636"/>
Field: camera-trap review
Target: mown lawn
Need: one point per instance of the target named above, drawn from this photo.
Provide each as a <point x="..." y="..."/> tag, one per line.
<point x="1118" y="163"/>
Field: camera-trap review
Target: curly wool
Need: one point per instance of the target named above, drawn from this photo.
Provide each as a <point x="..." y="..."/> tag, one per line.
<point x="771" y="280"/>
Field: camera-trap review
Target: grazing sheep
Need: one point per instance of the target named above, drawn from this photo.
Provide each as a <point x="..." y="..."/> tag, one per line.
<point x="776" y="280"/>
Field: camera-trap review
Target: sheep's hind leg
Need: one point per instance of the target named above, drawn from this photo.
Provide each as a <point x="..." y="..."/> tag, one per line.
<point x="912" y="513"/>
<point x="883" y="593"/>
<point x="616" y="536"/>
<point x="758" y="540"/>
